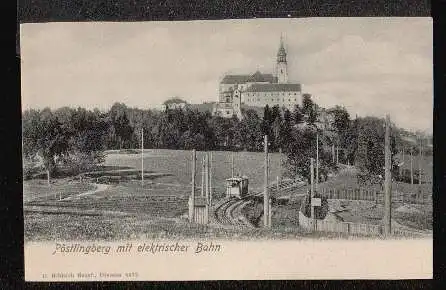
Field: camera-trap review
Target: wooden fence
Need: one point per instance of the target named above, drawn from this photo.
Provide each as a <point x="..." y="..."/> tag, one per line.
<point x="374" y="195"/>
<point x="350" y="193"/>
<point x="340" y="227"/>
<point x="352" y="228"/>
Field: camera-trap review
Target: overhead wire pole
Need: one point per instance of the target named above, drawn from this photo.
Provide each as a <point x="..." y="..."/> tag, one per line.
<point x="266" y="195"/>
<point x="142" y="157"/>
<point x="207" y="183"/>
<point x="312" y="191"/>
<point x="232" y="164"/>
<point x="420" y="157"/>
<point x="210" y="179"/>
<point x="280" y="166"/>
<point x="387" y="180"/>
<point x="400" y="168"/>
<point x="411" y="166"/>
<point x="202" y="176"/>
<point x="192" y="202"/>
<point x="317" y="161"/>
<point x="337" y="154"/>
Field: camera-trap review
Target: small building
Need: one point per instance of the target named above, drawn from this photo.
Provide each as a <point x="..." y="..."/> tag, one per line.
<point x="237" y="187"/>
<point x="201" y="210"/>
<point x="174" y="103"/>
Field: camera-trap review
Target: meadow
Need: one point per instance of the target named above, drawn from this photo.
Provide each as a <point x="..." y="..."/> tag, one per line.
<point x="157" y="208"/>
<point x="178" y="165"/>
<point x="128" y="208"/>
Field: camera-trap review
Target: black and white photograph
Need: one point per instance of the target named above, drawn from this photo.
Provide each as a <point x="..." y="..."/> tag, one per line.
<point x="187" y="134"/>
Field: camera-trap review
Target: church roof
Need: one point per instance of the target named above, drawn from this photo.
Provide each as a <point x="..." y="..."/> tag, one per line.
<point x="274" y="88"/>
<point x="257" y="77"/>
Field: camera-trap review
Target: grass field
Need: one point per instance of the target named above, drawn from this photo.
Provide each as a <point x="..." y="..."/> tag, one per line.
<point x="126" y="209"/>
<point x="178" y="163"/>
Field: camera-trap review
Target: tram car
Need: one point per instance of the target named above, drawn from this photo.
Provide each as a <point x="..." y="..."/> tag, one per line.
<point x="237" y="187"/>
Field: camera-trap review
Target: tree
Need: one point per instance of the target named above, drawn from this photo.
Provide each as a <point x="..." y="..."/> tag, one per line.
<point x="307" y="104"/>
<point x="301" y="149"/>
<point x="121" y="124"/>
<point x="266" y="122"/>
<point x="312" y="116"/>
<point x="298" y="117"/>
<point x="341" y="119"/>
<point x="43" y="136"/>
<point x="370" y="152"/>
<point x="249" y="133"/>
<point x="285" y="134"/>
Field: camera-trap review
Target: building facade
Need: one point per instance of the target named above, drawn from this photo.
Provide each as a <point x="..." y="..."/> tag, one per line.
<point x="258" y="90"/>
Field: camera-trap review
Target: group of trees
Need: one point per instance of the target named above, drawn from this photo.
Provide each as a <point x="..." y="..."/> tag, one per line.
<point x="68" y="136"/>
<point x="79" y="136"/>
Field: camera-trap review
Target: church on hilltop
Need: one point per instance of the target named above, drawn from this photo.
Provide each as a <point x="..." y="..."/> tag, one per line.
<point x="258" y="90"/>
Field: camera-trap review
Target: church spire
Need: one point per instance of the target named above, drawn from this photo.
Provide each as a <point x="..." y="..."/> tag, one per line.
<point x="281" y="65"/>
<point x="281" y="54"/>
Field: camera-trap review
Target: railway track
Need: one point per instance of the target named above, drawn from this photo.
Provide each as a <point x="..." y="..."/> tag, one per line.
<point x="229" y="210"/>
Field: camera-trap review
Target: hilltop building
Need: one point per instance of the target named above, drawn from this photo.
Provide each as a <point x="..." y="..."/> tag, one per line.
<point x="174" y="103"/>
<point x="258" y="90"/>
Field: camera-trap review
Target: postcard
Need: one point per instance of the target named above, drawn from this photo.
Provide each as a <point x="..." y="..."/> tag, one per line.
<point x="296" y="148"/>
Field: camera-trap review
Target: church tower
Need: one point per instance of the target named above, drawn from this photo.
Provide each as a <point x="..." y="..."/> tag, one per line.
<point x="281" y="66"/>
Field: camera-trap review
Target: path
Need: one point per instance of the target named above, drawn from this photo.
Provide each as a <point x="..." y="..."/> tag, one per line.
<point x="99" y="187"/>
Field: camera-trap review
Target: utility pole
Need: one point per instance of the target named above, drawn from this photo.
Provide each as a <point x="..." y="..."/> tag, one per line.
<point x="266" y="195"/>
<point x="400" y="168"/>
<point x="232" y="164"/>
<point x="387" y="181"/>
<point x="317" y="161"/>
<point x="280" y="166"/>
<point x="202" y="176"/>
<point x="206" y="162"/>
<point x="142" y="157"/>
<point x="312" y="191"/>
<point x="270" y="212"/>
<point x="192" y="201"/>
<point x="411" y="167"/>
<point x="210" y="179"/>
<point x="420" y="160"/>
<point x="333" y="152"/>
<point x="337" y="155"/>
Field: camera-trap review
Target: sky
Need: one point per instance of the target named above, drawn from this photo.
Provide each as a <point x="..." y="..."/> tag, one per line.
<point x="372" y="66"/>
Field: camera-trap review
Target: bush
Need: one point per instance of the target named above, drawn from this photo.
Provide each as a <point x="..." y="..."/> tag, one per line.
<point x="30" y="172"/>
<point x="79" y="162"/>
<point x="320" y="212"/>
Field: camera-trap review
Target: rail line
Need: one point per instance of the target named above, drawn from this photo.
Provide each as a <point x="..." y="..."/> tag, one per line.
<point x="228" y="211"/>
